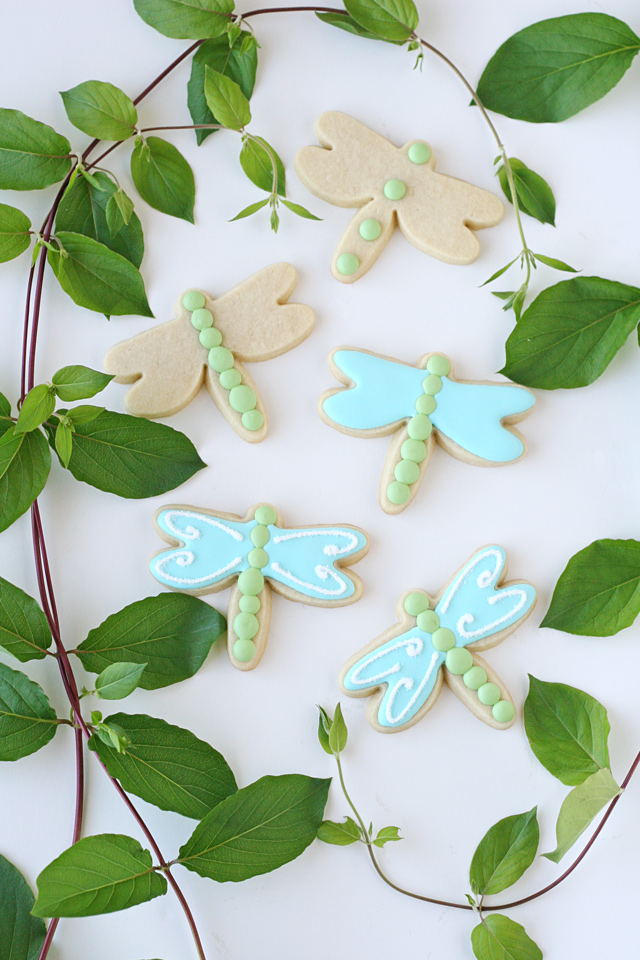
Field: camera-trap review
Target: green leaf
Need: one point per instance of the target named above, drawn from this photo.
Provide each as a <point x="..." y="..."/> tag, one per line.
<point x="64" y="443"/>
<point x="85" y="413"/>
<point x="256" y="163"/>
<point x="163" y="178"/>
<point x="118" y="212"/>
<point x="344" y="22"/>
<point x="555" y="263"/>
<point x="98" y="278"/>
<point x="498" y="273"/>
<point x="567" y="730"/>
<point x="27" y="721"/>
<point x="111" y="735"/>
<point x="324" y="729"/>
<point x="338" y="734"/>
<point x="83" y="209"/>
<point x="24" y="631"/>
<point x="387" y="835"/>
<point x="499" y="938"/>
<point x="535" y="196"/>
<point x="340" y="834"/>
<point x="226" y="100"/>
<point x="172" y="633"/>
<point x="186" y="19"/>
<point x="580" y="807"/>
<point x="598" y="593"/>
<point x="14" y="233"/>
<point x="507" y="849"/>
<point x="38" y="406"/>
<point x="100" y="110"/>
<point x="571" y="332"/>
<point x="300" y="211"/>
<point x="387" y="19"/>
<point x="555" y="68"/>
<point x="5" y="407"/>
<point x="239" y="63"/>
<point x="257" y="829"/>
<point x="21" y="935"/>
<point x="79" y="383"/>
<point x="250" y="210"/>
<point x="118" y="680"/>
<point x="25" y="462"/>
<point x="130" y="456"/>
<point x="97" y="875"/>
<point x="32" y="154"/>
<point x="167" y="766"/>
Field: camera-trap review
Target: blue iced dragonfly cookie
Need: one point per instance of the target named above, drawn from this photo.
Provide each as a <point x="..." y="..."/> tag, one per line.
<point x="255" y="554"/>
<point x="437" y="641"/>
<point x="472" y="421"/>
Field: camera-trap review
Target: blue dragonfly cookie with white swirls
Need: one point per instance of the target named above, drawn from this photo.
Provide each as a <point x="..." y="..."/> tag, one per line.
<point x="473" y="421"/>
<point x="438" y="641"/>
<point x="254" y="555"/>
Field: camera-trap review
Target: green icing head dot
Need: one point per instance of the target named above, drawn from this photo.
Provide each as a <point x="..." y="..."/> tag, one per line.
<point x="242" y="398"/>
<point x="202" y="319"/>
<point x="249" y="604"/>
<point x="230" y="378"/>
<point x="503" y="711"/>
<point x="432" y="384"/>
<point x="265" y="514"/>
<point x="245" y="626"/>
<point x="258" y="557"/>
<point x="220" y="359"/>
<point x="419" y="427"/>
<point x="193" y="300"/>
<point x="444" y="639"/>
<point x="426" y="404"/>
<point x="475" y="677"/>
<point x="413" y="450"/>
<point x="347" y="264"/>
<point x="260" y="535"/>
<point x="438" y="365"/>
<point x="211" y="337"/>
<point x="459" y="660"/>
<point x="244" y="650"/>
<point x="406" y="471"/>
<point x="252" y="420"/>
<point x="416" y="603"/>
<point x="489" y="694"/>
<point x="419" y="153"/>
<point x="429" y="621"/>
<point x="398" y="493"/>
<point x="251" y="582"/>
<point x="394" y="189"/>
<point x="370" y="229"/>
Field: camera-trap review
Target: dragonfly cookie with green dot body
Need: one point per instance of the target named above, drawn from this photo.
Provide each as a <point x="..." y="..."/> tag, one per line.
<point x="392" y="186"/>
<point x="253" y="555"/>
<point x="437" y="642"/>
<point x="208" y="342"/>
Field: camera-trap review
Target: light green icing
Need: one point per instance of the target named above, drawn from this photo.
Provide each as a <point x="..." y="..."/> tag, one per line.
<point x="443" y="639"/>
<point x="252" y="420"/>
<point x="245" y="626"/>
<point x="432" y="384"/>
<point x="220" y="359"/>
<point x="202" y="319"/>
<point x="211" y="337"/>
<point x="419" y="427"/>
<point x="193" y="300"/>
<point x="438" y="365"/>
<point x="347" y="264"/>
<point x="244" y="650"/>
<point x="426" y="404"/>
<point x="370" y="229"/>
<point x="429" y="621"/>
<point x="407" y="471"/>
<point x="242" y="398"/>
<point x="394" y="189"/>
<point x="489" y="694"/>
<point x="419" y="153"/>
<point x="503" y="711"/>
<point x="258" y="558"/>
<point x="459" y="660"/>
<point x="230" y="378"/>
<point x="475" y="677"/>
<point x="413" y="450"/>
<point x="260" y="535"/>
<point x="266" y="515"/>
<point x="398" y="492"/>
<point x="416" y="603"/>
<point x="251" y="582"/>
<point x="249" y="604"/>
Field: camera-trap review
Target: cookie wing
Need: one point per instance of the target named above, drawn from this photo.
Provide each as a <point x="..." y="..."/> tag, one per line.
<point x="307" y="561"/>
<point x="212" y="550"/>
<point x="384" y="391"/>
<point x="254" y="318"/>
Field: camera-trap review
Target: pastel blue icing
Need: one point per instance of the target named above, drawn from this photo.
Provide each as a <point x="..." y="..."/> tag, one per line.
<point x="384" y="393"/>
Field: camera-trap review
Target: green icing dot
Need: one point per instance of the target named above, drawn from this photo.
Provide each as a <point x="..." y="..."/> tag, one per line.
<point x="245" y="626"/>
<point x="220" y="359"/>
<point x="244" y="650"/>
<point x="503" y="711"/>
<point x="193" y="300"/>
<point x="394" y="189"/>
<point x="251" y="582"/>
<point x="444" y="639"/>
<point x="413" y="450"/>
<point x="211" y="337"/>
<point x="407" y="471"/>
<point x="265" y="514"/>
<point x="475" y="677"/>
<point x="260" y="535"/>
<point x="419" y="427"/>
<point x="347" y="264"/>
<point x="398" y="492"/>
<point x="426" y="404"/>
<point x="230" y="378"/>
<point x="459" y="660"/>
<point x="242" y="399"/>
<point x="419" y="153"/>
<point x="252" y="420"/>
<point x="258" y="557"/>
<point x="202" y="319"/>
<point x="489" y="694"/>
<point x="432" y="384"/>
<point x="429" y="621"/>
<point x="416" y="603"/>
<point x="249" y="604"/>
<point x="370" y="229"/>
<point x="438" y="365"/>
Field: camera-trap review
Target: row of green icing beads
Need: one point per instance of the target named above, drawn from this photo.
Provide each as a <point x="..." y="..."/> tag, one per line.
<point x="251" y="584"/>
<point x="414" y="449"/>
<point x="242" y="398"/>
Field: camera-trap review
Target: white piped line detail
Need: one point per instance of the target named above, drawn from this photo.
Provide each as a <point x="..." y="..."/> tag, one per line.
<point x="185" y="558"/>
<point x="321" y="571"/>
<point x="191" y="533"/>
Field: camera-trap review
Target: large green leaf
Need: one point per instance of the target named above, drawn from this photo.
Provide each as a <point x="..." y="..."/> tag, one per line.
<point x="555" y="68"/>
<point x="234" y="62"/>
<point x="567" y="730"/>
<point x="84" y="210"/>
<point x="226" y="100"/>
<point x="500" y="938"/>
<point x="14" y="232"/>
<point x="130" y="456"/>
<point x="100" y="110"/>
<point x="97" y="875"/>
<point x="25" y="462"/>
<point x="172" y="633"/>
<point x="27" y="720"/>
<point x="186" y="19"/>
<point x="257" y="829"/>
<point x="32" y="154"/>
<point x="24" y="631"/>
<point x="21" y="935"/>
<point x="579" y="808"/>
<point x="535" y="196"/>
<point x="598" y="593"/>
<point x="571" y="332"/>
<point x="507" y="849"/>
<point x="163" y="177"/>
<point x="387" y="19"/>
<point x="167" y="766"/>
<point x="343" y="21"/>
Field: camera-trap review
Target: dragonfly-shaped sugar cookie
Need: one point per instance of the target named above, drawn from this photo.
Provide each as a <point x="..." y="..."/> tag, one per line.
<point x="392" y="186"/>
<point x="206" y="343"/>
<point x="472" y="421"/>
<point x="254" y="554"/>
<point x="438" y="641"/>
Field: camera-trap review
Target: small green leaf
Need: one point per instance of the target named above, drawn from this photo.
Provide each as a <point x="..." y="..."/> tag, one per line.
<point x="85" y="413"/>
<point x="100" y="110"/>
<point x="21" y="935"/>
<point x="64" y="443"/>
<point x="118" y="680"/>
<point x="498" y="273"/>
<point x="32" y="154"/>
<point x="163" y="178"/>
<point x="27" y="720"/>
<point x="340" y="834"/>
<point x="14" y="232"/>
<point x="344" y="22"/>
<point x="507" y="849"/>
<point x="555" y="263"/>
<point x="38" y="406"/>
<point x="338" y="734"/>
<point x="250" y="210"/>
<point x="535" y="196"/>
<point x="226" y="100"/>
<point x="118" y="212"/>
<point x="97" y="875"/>
<point x="567" y="730"/>
<point x="500" y="938"/>
<point x="274" y="219"/>
<point x="186" y="19"/>
<point x="324" y="729"/>
<point x="24" y="630"/>
<point x="25" y="462"/>
<point x="79" y="383"/>
<point x="256" y="162"/>
<point x="5" y="407"/>
<point x="113" y="736"/>
<point x="239" y="63"/>
<point x="299" y="210"/>
<point x="387" y="835"/>
<point x="387" y="19"/>
<point x="579" y="808"/>
<point x="503" y="295"/>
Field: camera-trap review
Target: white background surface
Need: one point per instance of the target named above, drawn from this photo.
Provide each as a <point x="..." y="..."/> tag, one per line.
<point x="446" y="780"/>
